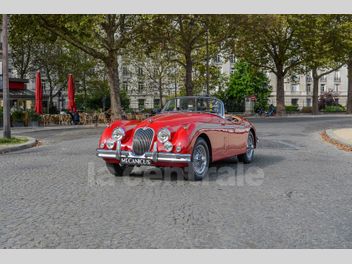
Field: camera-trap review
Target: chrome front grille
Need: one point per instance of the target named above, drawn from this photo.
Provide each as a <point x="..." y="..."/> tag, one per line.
<point x="142" y="140"/>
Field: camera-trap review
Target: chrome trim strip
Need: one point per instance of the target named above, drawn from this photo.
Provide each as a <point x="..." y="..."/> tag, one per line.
<point x="154" y="156"/>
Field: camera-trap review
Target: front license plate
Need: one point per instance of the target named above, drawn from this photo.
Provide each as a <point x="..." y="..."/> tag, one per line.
<point x="136" y="161"/>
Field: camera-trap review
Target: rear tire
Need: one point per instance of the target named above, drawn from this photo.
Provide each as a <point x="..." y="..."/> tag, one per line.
<point x="199" y="166"/>
<point x="115" y="169"/>
<point x="249" y="155"/>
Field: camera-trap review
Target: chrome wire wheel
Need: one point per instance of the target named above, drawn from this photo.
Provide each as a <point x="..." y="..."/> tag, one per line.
<point x="199" y="159"/>
<point x="250" y="146"/>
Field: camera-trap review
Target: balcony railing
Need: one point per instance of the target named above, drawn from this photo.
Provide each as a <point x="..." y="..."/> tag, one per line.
<point x="323" y="79"/>
<point x="309" y="79"/>
<point x="296" y="92"/>
<point x="337" y="79"/>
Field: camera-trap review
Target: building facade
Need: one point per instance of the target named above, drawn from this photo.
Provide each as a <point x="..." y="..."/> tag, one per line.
<point x="299" y="88"/>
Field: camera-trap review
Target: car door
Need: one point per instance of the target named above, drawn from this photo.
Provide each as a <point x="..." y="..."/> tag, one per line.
<point x="236" y="134"/>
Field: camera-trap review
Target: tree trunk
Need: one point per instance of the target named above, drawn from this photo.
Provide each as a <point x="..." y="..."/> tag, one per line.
<point x="349" y="93"/>
<point x="113" y="76"/>
<point x="5" y="71"/>
<point x="161" y="93"/>
<point x="315" y="108"/>
<point x="188" y="80"/>
<point x="280" y="93"/>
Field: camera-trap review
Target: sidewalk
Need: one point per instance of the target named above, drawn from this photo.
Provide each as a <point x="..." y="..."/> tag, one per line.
<point x="344" y="135"/>
<point x="298" y="116"/>
<point x="342" y="138"/>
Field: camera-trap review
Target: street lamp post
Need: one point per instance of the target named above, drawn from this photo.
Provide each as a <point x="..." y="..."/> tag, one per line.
<point x="5" y="79"/>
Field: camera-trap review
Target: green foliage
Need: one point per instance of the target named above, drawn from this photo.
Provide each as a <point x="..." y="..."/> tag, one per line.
<point x="13" y="140"/>
<point x="291" y="108"/>
<point x="17" y="115"/>
<point x="33" y="116"/>
<point x="184" y="36"/>
<point x="319" y="39"/>
<point x="99" y="96"/>
<point x="245" y="81"/>
<point x="334" y="108"/>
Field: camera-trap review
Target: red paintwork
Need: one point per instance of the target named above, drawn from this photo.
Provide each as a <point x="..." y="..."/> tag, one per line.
<point x="227" y="138"/>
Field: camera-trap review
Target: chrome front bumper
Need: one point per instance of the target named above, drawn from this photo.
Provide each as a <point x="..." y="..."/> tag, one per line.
<point x="153" y="156"/>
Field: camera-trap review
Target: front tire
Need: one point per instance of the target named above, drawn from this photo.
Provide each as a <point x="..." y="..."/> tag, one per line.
<point x="199" y="166"/>
<point x="115" y="169"/>
<point x="249" y="155"/>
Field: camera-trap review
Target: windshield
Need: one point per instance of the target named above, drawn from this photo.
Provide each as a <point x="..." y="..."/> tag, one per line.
<point x="194" y="104"/>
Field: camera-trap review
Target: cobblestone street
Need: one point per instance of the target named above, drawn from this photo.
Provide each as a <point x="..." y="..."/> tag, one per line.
<point x="59" y="195"/>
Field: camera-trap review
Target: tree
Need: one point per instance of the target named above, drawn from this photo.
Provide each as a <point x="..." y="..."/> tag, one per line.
<point x="268" y="42"/>
<point x="24" y="34"/>
<point x="156" y="67"/>
<point x="318" y="38"/>
<point x="344" y="31"/>
<point x="5" y="77"/>
<point x="185" y="36"/>
<point x="33" y="48"/>
<point x="247" y="80"/>
<point x="104" y="37"/>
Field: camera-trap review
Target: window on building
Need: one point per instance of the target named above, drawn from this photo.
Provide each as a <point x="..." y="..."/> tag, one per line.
<point x="140" y="71"/>
<point x="309" y="78"/>
<point x="295" y="88"/>
<point x="337" y="76"/>
<point x="322" y="88"/>
<point x="336" y="87"/>
<point x="140" y="87"/>
<point x="308" y="88"/>
<point x="323" y="78"/>
<point x="124" y="71"/>
<point x="141" y="104"/>
<point x="156" y="103"/>
<point x="232" y="58"/>
<point x="294" y="101"/>
<point x="309" y="102"/>
<point x="125" y="85"/>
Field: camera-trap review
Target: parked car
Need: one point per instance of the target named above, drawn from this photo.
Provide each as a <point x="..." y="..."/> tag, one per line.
<point x="190" y="131"/>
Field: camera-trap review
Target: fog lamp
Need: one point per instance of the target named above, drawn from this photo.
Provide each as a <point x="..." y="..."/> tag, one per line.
<point x="110" y="144"/>
<point x="168" y="146"/>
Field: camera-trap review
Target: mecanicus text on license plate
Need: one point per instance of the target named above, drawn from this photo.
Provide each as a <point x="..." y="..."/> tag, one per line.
<point x="136" y="161"/>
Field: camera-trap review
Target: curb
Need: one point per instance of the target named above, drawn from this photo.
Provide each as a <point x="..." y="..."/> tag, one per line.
<point x="30" y="143"/>
<point x="50" y="128"/>
<point x="330" y="137"/>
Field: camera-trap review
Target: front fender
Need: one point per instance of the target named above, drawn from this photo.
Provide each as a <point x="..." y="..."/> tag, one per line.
<point x="127" y="125"/>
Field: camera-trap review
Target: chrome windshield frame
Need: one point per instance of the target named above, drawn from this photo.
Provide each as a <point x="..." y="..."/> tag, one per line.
<point x="222" y="107"/>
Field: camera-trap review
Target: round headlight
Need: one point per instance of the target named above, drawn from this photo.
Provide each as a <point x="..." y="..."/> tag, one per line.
<point x="164" y="135"/>
<point x="168" y="146"/>
<point x="110" y="144"/>
<point x="118" y="133"/>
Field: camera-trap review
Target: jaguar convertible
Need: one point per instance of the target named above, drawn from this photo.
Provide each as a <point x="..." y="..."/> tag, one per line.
<point x="190" y="131"/>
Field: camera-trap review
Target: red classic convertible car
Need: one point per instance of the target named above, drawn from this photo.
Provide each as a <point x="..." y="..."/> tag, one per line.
<point x="190" y="131"/>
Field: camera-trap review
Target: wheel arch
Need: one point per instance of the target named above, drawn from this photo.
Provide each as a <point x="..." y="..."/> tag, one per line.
<point x="207" y="140"/>
<point x="255" y="136"/>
